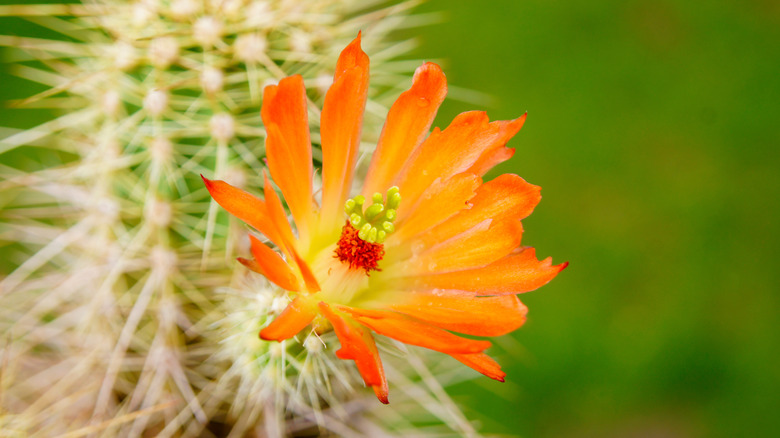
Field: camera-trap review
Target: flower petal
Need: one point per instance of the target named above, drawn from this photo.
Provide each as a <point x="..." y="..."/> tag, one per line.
<point x="452" y="151"/>
<point x="490" y="159"/>
<point x="482" y="363"/>
<point x="506" y="196"/>
<point x="244" y="206"/>
<point x="442" y="200"/>
<point x="410" y="331"/>
<point x="498" y="153"/>
<point x="272" y="266"/>
<point x="358" y="344"/>
<point x="298" y="314"/>
<point x="465" y="312"/>
<point x="481" y="245"/>
<point x="288" y="147"/>
<point x="277" y="214"/>
<point x="341" y="122"/>
<point x="279" y="220"/>
<point x="408" y="121"/>
<point x="517" y="273"/>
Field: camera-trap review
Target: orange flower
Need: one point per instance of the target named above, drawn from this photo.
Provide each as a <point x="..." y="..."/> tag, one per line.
<point x="438" y="253"/>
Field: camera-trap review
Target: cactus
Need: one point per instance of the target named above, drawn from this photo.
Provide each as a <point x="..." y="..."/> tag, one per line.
<point x="119" y="316"/>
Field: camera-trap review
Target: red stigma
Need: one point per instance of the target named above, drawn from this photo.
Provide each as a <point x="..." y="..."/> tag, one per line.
<point x="357" y="252"/>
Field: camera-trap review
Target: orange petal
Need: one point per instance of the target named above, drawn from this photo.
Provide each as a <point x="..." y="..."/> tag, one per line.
<point x="490" y="159"/>
<point x="341" y="122"/>
<point x="465" y="312"/>
<point x="442" y="200"/>
<point x="251" y="265"/>
<point x="272" y="266"/>
<point x="298" y="314"/>
<point x="276" y="211"/>
<point x="482" y="363"/>
<point x="409" y="331"/>
<point x="277" y="214"/>
<point x="308" y="277"/>
<point x="452" y="151"/>
<point x="499" y="152"/>
<point x="408" y="121"/>
<point x="244" y="206"/>
<point x="358" y="344"/>
<point x="506" y="196"/>
<point x="479" y="246"/>
<point x="514" y="274"/>
<point x="288" y="147"/>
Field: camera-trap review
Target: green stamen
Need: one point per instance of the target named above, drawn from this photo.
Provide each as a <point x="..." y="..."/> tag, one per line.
<point x="374" y="223"/>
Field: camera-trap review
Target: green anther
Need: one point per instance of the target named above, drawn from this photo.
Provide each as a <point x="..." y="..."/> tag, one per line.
<point x="380" y="236"/>
<point x="374" y="210"/>
<point x="356" y="220"/>
<point x="388" y="227"/>
<point x="359" y="199"/>
<point x="349" y="205"/>
<point x="390" y="215"/>
<point x="394" y="201"/>
<point x="372" y="235"/>
<point x="377" y="198"/>
<point x="364" y="230"/>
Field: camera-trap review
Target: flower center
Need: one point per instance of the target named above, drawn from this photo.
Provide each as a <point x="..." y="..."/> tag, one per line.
<point x="361" y="242"/>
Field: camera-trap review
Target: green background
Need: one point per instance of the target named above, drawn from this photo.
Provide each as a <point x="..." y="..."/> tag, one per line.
<point x="653" y="131"/>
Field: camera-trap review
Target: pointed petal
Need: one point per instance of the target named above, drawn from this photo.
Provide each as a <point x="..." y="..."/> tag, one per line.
<point x="506" y="196"/>
<point x="357" y="344"/>
<point x="442" y="200"/>
<point x="308" y="276"/>
<point x="479" y="246"/>
<point x="288" y="147"/>
<point x="341" y="123"/>
<point x="410" y="331"/>
<point x="251" y="265"/>
<point x="408" y="122"/>
<point x="452" y="151"/>
<point x="244" y="206"/>
<point x="490" y="159"/>
<point x="482" y="363"/>
<point x="465" y="312"/>
<point x="298" y="314"/>
<point x="499" y="152"/>
<point x="276" y="212"/>
<point x="273" y="267"/>
<point x="514" y="274"/>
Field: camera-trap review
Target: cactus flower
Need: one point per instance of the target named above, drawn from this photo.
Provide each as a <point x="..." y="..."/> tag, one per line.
<point x="426" y="250"/>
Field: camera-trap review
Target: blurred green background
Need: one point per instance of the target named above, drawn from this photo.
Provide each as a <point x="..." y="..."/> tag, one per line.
<point x="653" y="131"/>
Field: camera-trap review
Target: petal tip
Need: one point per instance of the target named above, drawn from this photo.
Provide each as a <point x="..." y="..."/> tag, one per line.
<point x="266" y="337"/>
<point x="381" y="394"/>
